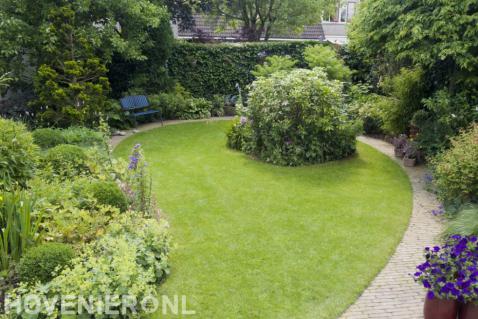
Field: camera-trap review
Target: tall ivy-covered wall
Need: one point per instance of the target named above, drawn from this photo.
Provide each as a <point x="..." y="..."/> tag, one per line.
<point x="208" y="69"/>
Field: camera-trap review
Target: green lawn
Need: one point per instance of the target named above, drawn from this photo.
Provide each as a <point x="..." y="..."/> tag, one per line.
<point x="260" y="241"/>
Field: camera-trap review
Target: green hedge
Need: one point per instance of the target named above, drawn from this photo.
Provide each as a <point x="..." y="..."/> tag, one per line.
<point x="208" y="69"/>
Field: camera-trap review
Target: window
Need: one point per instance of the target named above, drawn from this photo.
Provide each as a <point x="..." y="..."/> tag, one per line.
<point x="344" y="13"/>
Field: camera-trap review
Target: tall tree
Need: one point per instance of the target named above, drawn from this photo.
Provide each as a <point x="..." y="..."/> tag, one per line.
<point x="440" y="37"/>
<point x="70" y="84"/>
<point x="259" y="18"/>
<point x="119" y="26"/>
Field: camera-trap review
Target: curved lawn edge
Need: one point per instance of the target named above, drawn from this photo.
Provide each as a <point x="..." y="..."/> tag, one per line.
<point x="117" y="139"/>
<point x="383" y="264"/>
<point x="393" y="293"/>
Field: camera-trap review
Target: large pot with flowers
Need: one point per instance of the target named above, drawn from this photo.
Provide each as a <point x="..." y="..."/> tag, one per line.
<point x="399" y="144"/>
<point x="450" y="275"/>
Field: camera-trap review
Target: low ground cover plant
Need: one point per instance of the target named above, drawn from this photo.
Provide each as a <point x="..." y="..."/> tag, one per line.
<point x="75" y="215"/>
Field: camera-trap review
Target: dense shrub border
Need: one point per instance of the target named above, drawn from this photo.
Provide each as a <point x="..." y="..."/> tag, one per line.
<point x="79" y="223"/>
<point x="295" y="118"/>
<point x="456" y="169"/>
<point x="209" y="69"/>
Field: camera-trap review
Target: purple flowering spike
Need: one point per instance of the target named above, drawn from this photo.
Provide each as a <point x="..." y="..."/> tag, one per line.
<point x="430" y="295"/>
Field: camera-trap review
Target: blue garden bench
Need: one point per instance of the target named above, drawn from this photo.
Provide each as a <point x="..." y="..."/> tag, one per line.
<point x="138" y="105"/>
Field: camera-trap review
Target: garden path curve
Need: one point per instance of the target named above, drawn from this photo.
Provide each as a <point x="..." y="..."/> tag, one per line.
<point x="393" y="293"/>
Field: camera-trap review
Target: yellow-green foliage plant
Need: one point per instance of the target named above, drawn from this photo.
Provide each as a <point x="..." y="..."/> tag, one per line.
<point x="274" y="64"/>
<point x="18" y="154"/>
<point x="456" y="170"/>
<point x="328" y="59"/>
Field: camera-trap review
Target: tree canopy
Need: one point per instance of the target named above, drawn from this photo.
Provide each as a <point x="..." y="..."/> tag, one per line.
<point x="105" y="27"/>
<point x="257" y="18"/>
<point x="425" y="33"/>
<point x="438" y="39"/>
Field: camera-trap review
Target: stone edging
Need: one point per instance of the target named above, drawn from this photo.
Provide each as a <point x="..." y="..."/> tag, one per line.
<point x="393" y="293"/>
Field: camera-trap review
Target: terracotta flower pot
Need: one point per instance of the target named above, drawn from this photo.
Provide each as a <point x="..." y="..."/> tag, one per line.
<point x="409" y="162"/>
<point x="468" y="311"/>
<point x="440" y="309"/>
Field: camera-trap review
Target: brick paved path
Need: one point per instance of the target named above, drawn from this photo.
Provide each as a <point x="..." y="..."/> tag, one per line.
<point x="393" y="293"/>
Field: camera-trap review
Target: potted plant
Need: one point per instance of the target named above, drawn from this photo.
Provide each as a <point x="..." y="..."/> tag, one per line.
<point x="450" y="275"/>
<point x="411" y="153"/>
<point x="400" y="142"/>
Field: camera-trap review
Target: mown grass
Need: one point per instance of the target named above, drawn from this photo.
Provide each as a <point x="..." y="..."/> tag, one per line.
<point x="260" y="241"/>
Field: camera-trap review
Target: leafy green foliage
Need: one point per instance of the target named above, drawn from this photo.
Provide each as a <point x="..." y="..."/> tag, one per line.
<point x="4" y="82"/>
<point x="437" y="37"/>
<point x="464" y="223"/>
<point x="72" y="87"/>
<point x="124" y="29"/>
<point x="327" y="58"/>
<point x="209" y="69"/>
<point x="443" y="116"/>
<point x="107" y="193"/>
<point x="83" y="136"/>
<point x="48" y="137"/>
<point x="365" y="106"/>
<point x="179" y="104"/>
<point x="130" y="259"/>
<point x="137" y="183"/>
<point x="69" y="43"/>
<point x="218" y="104"/>
<point x="239" y="136"/>
<point x="66" y="161"/>
<point x="39" y="263"/>
<point x="19" y="225"/>
<point x="404" y="92"/>
<point x="147" y="76"/>
<point x="423" y="32"/>
<point x="274" y="64"/>
<point x="18" y="154"/>
<point x="456" y="169"/>
<point x="298" y="118"/>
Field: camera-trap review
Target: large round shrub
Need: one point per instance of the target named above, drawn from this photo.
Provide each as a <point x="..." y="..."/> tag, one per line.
<point x="456" y="170"/>
<point x="39" y="262"/>
<point x="298" y="118"/>
<point x="67" y="160"/>
<point x="107" y="193"/>
<point x="18" y="154"/>
<point x="48" y="137"/>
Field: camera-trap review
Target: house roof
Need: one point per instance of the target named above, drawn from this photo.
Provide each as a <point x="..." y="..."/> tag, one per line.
<point x="208" y="28"/>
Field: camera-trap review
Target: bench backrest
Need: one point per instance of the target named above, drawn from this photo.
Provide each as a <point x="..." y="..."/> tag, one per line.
<point x="134" y="102"/>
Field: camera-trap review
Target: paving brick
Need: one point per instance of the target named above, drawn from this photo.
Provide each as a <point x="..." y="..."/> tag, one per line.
<point x="393" y="294"/>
